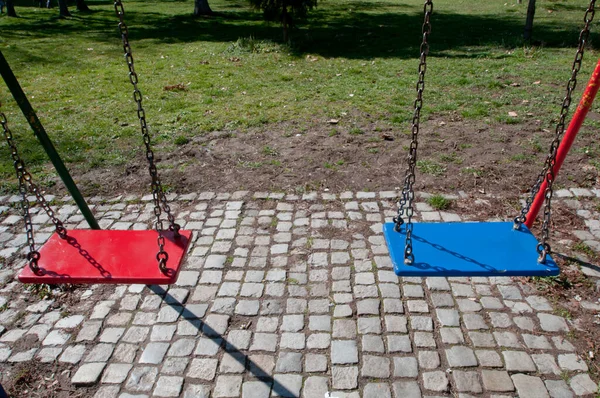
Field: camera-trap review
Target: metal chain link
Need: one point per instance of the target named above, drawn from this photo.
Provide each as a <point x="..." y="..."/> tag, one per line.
<point x="405" y="205"/>
<point x="547" y="173"/>
<point x="158" y="195"/>
<point x="25" y="182"/>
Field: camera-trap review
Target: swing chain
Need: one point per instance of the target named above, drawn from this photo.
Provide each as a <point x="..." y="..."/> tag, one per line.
<point x="25" y="180"/>
<point x="405" y="205"/>
<point x="158" y="195"/>
<point x="547" y="173"/>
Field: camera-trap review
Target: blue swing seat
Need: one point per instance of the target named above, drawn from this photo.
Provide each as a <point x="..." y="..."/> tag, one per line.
<point x="468" y="249"/>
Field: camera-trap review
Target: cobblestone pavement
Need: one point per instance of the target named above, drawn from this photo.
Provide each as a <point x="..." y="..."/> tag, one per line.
<point x="285" y="295"/>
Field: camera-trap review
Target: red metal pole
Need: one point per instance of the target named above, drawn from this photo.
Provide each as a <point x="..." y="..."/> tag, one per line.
<point x="582" y="109"/>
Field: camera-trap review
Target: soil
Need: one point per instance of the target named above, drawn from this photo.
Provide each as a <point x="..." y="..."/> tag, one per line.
<point x="471" y="156"/>
<point x="34" y="379"/>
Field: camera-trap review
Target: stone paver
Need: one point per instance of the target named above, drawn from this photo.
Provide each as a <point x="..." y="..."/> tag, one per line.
<point x="295" y="295"/>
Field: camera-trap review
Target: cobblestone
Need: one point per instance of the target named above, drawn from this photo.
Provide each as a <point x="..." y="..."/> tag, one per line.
<point x="530" y="386"/>
<point x="289" y="281"/>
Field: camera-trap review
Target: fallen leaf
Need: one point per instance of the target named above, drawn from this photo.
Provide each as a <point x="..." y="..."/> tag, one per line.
<point x="512" y="114"/>
<point x="537" y="82"/>
<point x="175" y="87"/>
<point x="333" y="121"/>
<point x="387" y="137"/>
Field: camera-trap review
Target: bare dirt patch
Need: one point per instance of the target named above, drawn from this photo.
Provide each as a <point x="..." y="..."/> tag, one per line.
<point x="455" y="155"/>
<point x="35" y="379"/>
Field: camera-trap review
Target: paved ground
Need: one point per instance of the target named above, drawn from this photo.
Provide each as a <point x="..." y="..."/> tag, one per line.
<point x="293" y="296"/>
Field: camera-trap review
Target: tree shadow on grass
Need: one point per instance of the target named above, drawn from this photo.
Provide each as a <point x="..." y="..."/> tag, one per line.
<point x="332" y="32"/>
<point x="220" y="340"/>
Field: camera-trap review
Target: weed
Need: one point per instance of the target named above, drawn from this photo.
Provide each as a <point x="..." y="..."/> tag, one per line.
<point x="267" y="150"/>
<point x="252" y="45"/>
<point x="355" y="131"/>
<point x="558" y="281"/>
<point x="439" y="202"/>
<point x="583" y="248"/>
<point x="42" y="291"/>
<point x="564" y="313"/>
<point x="429" y="167"/>
<point x="251" y="165"/>
<point x="451" y="158"/>
<point x="373" y="150"/>
<point x="292" y="281"/>
<point x="22" y="377"/>
<point x="333" y="133"/>
<point x="309" y="242"/>
<point x="536" y="145"/>
<point x="472" y="171"/>
<point x="520" y="157"/>
<point x="181" y="140"/>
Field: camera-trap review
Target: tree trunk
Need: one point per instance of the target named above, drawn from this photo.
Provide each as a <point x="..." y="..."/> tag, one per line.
<point x="81" y="6"/>
<point x="10" y="8"/>
<point x="529" y="22"/>
<point x="284" y="22"/>
<point x="201" y="7"/>
<point x="63" y="10"/>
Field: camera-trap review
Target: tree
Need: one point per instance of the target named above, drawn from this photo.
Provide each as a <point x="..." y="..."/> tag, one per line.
<point x="201" y="7"/>
<point x="81" y="6"/>
<point x="63" y="10"/>
<point x="10" y="8"/>
<point x="529" y="21"/>
<point x="285" y="11"/>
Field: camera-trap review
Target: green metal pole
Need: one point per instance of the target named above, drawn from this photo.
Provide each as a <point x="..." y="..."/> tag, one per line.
<point x="40" y="133"/>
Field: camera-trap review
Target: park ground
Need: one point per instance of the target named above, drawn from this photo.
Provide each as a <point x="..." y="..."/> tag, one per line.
<point x="233" y="109"/>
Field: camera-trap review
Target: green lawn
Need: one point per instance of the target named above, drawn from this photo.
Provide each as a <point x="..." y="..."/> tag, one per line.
<point x="354" y="61"/>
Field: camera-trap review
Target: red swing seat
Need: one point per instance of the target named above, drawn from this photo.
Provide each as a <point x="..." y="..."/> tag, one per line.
<point x="111" y="257"/>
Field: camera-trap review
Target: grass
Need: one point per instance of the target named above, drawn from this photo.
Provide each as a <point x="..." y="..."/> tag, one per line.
<point x="429" y="167"/>
<point x="353" y="61"/>
<point x="581" y="247"/>
<point x="439" y="202"/>
<point x="267" y="150"/>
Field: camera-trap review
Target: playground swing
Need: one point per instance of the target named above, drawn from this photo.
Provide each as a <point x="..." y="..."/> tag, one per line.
<point x="476" y="248"/>
<point x="102" y="256"/>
